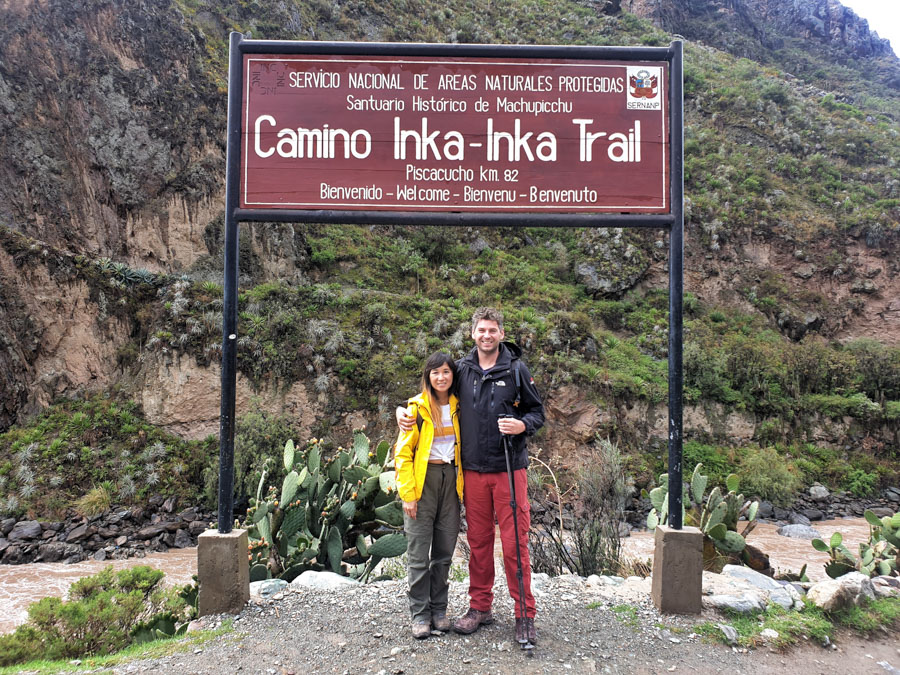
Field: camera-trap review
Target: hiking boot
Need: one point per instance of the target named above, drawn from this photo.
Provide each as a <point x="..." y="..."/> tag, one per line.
<point x="439" y="621"/>
<point x="471" y="621"/>
<point x="525" y="631"/>
<point x="421" y="630"/>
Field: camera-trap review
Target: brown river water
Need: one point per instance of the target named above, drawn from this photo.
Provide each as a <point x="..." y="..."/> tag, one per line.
<point x="20" y="585"/>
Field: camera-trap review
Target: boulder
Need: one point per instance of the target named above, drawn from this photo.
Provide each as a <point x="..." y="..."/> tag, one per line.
<point x="798" y="519"/>
<point x="197" y="527"/>
<point x="169" y="505"/>
<point x="813" y="514"/>
<point x="189" y="514"/>
<point x="886" y="587"/>
<point x="150" y="531"/>
<point x="783" y="595"/>
<point x="756" y="560"/>
<point x="780" y="513"/>
<point x="845" y="591"/>
<point x="183" y="539"/>
<point x="313" y="579"/>
<point x="80" y="533"/>
<point x="52" y="552"/>
<point x="25" y="530"/>
<point x="799" y="532"/>
<point x="6" y="525"/>
<point x="746" y="603"/>
<point x="268" y="587"/>
<point x="819" y="492"/>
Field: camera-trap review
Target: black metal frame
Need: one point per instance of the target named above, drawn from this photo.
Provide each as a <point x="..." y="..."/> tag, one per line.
<point x="673" y="222"/>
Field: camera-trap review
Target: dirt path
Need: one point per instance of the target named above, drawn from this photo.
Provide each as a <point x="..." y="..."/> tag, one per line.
<point x="581" y="630"/>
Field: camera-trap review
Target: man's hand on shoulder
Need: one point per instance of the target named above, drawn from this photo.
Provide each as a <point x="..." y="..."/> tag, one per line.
<point x="404" y="420"/>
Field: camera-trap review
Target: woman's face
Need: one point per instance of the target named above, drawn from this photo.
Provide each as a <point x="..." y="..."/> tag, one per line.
<point x="441" y="378"/>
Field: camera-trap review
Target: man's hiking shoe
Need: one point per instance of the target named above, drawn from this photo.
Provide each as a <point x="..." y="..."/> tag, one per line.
<point x="421" y="630"/>
<point x="525" y="631"/>
<point x="471" y="621"/>
<point x="439" y="621"/>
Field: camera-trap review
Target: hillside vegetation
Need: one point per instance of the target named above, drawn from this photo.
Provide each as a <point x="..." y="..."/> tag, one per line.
<point x="792" y="231"/>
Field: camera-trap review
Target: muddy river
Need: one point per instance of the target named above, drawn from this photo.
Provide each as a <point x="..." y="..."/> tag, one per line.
<point x="21" y="585"/>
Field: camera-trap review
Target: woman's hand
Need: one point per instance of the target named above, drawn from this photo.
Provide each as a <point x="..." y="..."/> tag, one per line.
<point x="410" y="508"/>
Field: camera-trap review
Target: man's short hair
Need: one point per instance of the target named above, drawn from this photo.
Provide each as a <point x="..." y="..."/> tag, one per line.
<point x="487" y="314"/>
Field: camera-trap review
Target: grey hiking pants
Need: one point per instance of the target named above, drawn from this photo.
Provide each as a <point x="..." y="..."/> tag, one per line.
<point x="432" y="540"/>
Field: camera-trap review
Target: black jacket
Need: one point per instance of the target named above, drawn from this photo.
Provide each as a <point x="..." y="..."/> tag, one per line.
<point x="483" y="397"/>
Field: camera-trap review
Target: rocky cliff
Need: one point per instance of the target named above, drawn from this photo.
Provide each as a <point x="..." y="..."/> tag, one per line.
<point x="111" y="175"/>
<point x="110" y="132"/>
<point x="751" y="26"/>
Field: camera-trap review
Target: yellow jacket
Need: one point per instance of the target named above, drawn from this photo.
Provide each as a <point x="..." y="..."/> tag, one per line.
<point x="413" y="448"/>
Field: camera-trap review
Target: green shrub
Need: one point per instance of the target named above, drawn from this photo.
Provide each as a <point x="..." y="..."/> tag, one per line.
<point x="716" y="460"/>
<point x="103" y="615"/>
<point x="892" y="410"/>
<point x="861" y="483"/>
<point x="835" y="405"/>
<point x="258" y="436"/>
<point x="767" y="475"/>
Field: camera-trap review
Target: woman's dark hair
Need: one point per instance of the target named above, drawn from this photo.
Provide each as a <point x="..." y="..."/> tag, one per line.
<point x="433" y="362"/>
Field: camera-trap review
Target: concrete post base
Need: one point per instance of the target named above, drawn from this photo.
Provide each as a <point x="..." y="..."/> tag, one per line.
<point x="223" y="572"/>
<point x="677" y="582"/>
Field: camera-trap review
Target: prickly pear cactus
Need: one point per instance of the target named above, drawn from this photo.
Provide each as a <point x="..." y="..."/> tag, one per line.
<point x="717" y="516"/>
<point x="879" y="556"/>
<point x="338" y="513"/>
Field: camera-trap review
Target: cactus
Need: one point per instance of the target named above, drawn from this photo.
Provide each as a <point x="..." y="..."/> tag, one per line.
<point x="339" y="514"/>
<point x="717" y="517"/>
<point x="880" y="555"/>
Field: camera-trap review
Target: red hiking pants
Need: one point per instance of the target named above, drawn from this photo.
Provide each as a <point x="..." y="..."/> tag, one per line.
<point x="486" y="495"/>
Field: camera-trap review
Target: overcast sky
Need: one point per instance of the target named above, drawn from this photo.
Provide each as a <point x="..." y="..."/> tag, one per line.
<point x="883" y="17"/>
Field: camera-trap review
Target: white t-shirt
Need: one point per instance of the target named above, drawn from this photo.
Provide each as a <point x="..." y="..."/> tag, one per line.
<point x="444" y="438"/>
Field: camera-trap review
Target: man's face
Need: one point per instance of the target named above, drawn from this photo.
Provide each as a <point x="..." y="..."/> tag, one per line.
<point x="487" y="335"/>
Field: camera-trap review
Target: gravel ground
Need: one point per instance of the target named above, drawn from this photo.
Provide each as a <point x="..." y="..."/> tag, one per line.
<point x="581" y="629"/>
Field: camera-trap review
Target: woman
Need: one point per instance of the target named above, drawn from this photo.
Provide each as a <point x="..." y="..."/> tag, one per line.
<point x="430" y="483"/>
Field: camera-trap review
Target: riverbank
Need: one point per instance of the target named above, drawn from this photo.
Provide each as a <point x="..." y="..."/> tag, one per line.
<point x="20" y="585"/>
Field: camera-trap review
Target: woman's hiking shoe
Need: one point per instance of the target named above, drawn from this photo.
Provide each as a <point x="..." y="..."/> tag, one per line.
<point x="525" y="631"/>
<point x="439" y="621"/>
<point x="471" y="621"/>
<point x="421" y="630"/>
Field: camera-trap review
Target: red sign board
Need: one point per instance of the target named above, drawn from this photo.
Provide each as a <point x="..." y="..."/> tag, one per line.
<point x="462" y="134"/>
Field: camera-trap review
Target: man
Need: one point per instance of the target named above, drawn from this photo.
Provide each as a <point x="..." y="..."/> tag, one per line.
<point x="493" y="381"/>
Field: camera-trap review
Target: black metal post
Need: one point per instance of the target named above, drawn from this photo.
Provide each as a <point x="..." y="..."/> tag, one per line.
<point x="676" y="285"/>
<point x="229" y="309"/>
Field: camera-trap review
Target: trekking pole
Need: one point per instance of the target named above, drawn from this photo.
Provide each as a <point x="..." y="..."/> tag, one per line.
<point x="524" y="643"/>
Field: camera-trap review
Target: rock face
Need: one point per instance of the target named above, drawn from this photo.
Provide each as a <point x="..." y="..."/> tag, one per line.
<point x="62" y="339"/>
<point x="108" y="168"/>
<point x="184" y="398"/>
<point x="726" y="23"/>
